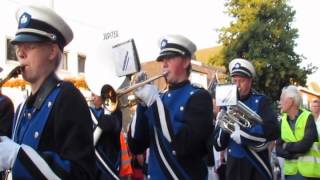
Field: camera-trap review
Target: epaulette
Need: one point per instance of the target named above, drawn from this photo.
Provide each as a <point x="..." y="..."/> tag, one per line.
<point x="256" y="93"/>
<point x="197" y="85"/>
<point x="163" y="91"/>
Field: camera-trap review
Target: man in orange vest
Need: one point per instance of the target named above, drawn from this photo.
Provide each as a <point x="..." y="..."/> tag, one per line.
<point x="125" y="167"/>
<point x="107" y="130"/>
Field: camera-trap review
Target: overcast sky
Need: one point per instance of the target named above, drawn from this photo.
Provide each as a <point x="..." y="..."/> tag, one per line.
<point x="147" y="20"/>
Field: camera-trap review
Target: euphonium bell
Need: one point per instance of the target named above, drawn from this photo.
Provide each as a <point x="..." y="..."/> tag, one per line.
<point x="240" y="114"/>
<point x="243" y="116"/>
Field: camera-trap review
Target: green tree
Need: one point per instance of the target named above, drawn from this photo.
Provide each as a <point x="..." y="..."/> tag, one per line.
<point x="262" y="32"/>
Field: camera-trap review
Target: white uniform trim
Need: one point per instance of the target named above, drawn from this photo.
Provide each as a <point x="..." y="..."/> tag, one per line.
<point x="17" y="120"/>
<point x="243" y="71"/>
<point x="105" y="165"/>
<point x="260" y="147"/>
<point x="39" y="162"/>
<point x="253" y="138"/>
<point x="310" y="159"/>
<point x="96" y="135"/>
<point x="93" y="118"/>
<point x="51" y="36"/>
<point x="163" y="122"/>
<point x="98" y="131"/>
<point x="220" y="131"/>
<point x="261" y="162"/>
<point x="162" y="156"/>
<point x="133" y="124"/>
<point x="172" y="49"/>
<point x="219" y="138"/>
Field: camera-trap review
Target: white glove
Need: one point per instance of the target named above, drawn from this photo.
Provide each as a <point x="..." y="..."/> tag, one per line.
<point x="236" y="135"/>
<point x="8" y="153"/>
<point x="148" y="94"/>
<point x="219" y="117"/>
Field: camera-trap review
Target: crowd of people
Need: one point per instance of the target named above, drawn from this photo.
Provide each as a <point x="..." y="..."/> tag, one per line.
<point x="177" y="133"/>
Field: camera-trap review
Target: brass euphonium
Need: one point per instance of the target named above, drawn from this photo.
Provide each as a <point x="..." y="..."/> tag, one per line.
<point x="240" y="114"/>
<point x="243" y="116"/>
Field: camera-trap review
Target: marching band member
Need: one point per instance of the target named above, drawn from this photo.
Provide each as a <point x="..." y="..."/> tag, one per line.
<point x="176" y="124"/>
<point x="96" y="106"/>
<point x="52" y="135"/>
<point x="243" y="162"/>
<point x="6" y="114"/>
<point x="107" y="147"/>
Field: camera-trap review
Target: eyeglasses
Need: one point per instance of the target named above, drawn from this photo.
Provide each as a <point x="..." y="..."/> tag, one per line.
<point x="30" y="45"/>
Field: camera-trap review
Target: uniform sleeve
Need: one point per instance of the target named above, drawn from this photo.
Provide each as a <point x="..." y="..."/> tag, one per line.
<point x="196" y="127"/>
<point x="6" y="116"/>
<point x="281" y="152"/>
<point x="66" y="145"/>
<point x="74" y="136"/>
<point x="109" y="141"/>
<point x="138" y="134"/>
<point x="310" y="136"/>
<point x="270" y="123"/>
<point x="220" y="138"/>
<point x="111" y="123"/>
<point x="261" y="133"/>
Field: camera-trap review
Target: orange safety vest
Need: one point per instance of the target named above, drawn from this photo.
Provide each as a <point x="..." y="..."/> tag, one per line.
<point x="125" y="167"/>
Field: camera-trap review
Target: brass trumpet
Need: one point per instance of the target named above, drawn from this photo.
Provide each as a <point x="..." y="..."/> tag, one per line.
<point x="13" y="74"/>
<point x="111" y="97"/>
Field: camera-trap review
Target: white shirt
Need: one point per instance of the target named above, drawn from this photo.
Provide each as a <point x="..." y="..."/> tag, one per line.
<point x="318" y="125"/>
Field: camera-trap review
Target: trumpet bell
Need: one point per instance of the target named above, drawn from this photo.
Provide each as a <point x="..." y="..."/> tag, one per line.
<point x="109" y="95"/>
<point x="14" y="72"/>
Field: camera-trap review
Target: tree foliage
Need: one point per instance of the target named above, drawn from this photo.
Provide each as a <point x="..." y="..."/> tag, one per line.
<point x="262" y="33"/>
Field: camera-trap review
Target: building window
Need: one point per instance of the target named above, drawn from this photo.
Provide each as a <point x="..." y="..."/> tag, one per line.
<point x="81" y="63"/>
<point x="11" y="51"/>
<point x="199" y="78"/>
<point x="64" y="61"/>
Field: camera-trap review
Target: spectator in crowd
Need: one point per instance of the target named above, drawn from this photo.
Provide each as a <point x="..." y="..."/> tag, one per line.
<point x="315" y="108"/>
<point x="298" y="144"/>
